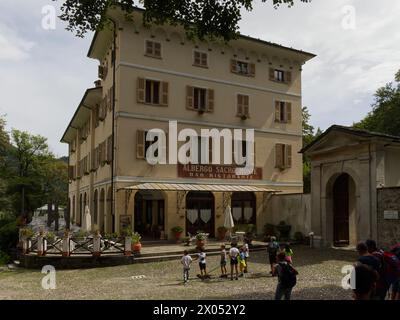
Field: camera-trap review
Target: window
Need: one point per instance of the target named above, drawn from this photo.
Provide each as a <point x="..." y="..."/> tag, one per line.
<point x="200" y="99"/>
<point x="153" y="49"/>
<point x="283" y="112"/>
<point x="142" y="144"/>
<point x="243" y="68"/>
<point x="200" y="59"/>
<point x="278" y="75"/>
<point x="243" y="106"/>
<point x="152" y="92"/>
<point x="283" y="155"/>
<point x="199" y="102"/>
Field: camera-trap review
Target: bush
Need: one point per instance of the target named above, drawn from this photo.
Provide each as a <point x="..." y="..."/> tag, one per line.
<point x="177" y="229"/>
<point x="4" y="258"/>
<point x="9" y="237"/>
<point x="269" y="229"/>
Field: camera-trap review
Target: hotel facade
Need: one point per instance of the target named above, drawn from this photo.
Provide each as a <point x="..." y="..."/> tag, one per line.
<point x="151" y="76"/>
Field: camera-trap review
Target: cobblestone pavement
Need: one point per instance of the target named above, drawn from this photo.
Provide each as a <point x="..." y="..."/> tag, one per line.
<point x="320" y="278"/>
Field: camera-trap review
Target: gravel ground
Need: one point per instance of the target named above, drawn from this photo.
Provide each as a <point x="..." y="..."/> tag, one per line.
<point x="319" y="278"/>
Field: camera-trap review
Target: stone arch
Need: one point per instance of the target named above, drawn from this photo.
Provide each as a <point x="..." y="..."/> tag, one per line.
<point x="81" y="208"/>
<point x="341" y="203"/>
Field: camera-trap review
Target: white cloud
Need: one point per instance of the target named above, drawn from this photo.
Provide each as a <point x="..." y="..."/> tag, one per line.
<point x="12" y="46"/>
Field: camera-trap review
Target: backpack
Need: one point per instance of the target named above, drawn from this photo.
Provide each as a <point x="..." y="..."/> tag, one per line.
<point x="288" y="277"/>
<point x="391" y="265"/>
<point x="273" y="247"/>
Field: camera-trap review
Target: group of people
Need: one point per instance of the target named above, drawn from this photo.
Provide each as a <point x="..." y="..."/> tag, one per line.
<point x="281" y="261"/>
<point x="377" y="272"/>
<point x="238" y="257"/>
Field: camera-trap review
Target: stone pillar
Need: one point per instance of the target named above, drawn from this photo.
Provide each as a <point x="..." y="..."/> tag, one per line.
<point x="66" y="246"/>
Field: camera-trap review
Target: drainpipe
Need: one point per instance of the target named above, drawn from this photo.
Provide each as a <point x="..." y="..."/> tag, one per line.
<point x="113" y="57"/>
<point x="370" y="190"/>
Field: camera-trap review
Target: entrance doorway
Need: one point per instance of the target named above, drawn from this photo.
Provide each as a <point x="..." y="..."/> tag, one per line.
<point x="200" y="212"/>
<point x="244" y="207"/>
<point x="343" y="196"/>
<point x="149" y="214"/>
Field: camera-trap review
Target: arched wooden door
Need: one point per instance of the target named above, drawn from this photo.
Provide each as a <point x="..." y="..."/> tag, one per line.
<point x="341" y="210"/>
<point x="200" y="212"/>
<point x="243" y="206"/>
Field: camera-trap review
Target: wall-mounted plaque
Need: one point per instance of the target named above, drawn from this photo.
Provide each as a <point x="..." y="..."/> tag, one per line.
<point x="391" y="215"/>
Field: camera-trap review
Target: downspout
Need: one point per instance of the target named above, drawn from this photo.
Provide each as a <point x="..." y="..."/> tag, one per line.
<point x="370" y="191"/>
<point x="113" y="57"/>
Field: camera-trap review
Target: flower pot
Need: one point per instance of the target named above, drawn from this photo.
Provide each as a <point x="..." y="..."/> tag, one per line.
<point x="221" y="235"/>
<point x="200" y="244"/>
<point x="136" y="247"/>
<point x="178" y="235"/>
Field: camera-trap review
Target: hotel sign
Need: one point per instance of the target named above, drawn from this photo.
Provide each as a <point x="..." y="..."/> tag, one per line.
<point x="211" y="171"/>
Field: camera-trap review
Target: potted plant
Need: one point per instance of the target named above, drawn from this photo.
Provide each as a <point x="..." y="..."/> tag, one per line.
<point x="222" y="232"/>
<point x="200" y="240"/>
<point x="186" y="241"/>
<point x="177" y="232"/>
<point x="136" y="245"/>
<point x="50" y="237"/>
<point x="284" y="230"/>
<point x="269" y="230"/>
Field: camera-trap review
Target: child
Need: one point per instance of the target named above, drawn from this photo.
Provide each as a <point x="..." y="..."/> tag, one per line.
<point x="272" y="250"/>
<point x="246" y="255"/>
<point x="186" y="261"/>
<point x="202" y="263"/>
<point x="234" y="254"/>
<point x="224" y="273"/>
<point x="288" y="253"/>
<point x="242" y="261"/>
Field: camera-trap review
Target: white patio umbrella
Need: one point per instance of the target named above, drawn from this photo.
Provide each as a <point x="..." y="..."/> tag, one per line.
<point x="87" y="220"/>
<point x="228" y="221"/>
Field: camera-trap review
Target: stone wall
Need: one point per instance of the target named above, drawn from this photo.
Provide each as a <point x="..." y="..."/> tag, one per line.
<point x="294" y="209"/>
<point x="388" y="230"/>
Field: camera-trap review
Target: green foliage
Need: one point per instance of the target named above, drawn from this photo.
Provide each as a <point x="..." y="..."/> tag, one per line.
<point x="200" y="18"/>
<point x="136" y="237"/>
<point x="4" y="258"/>
<point x="385" y="114"/>
<point x="200" y="236"/>
<point x="8" y="235"/>
<point x="222" y="229"/>
<point x="309" y="135"/>
<point x="177" y="229"/>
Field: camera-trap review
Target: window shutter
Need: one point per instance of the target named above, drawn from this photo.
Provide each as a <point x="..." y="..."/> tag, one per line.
<point x="288" y="112"/>
<point x="246" y="106"/>
<point x="140" y="136"/>
<point x="233" y="66"/>
<point x="277" y="111"/>
<point x="204" y="59"/>
<point x="97" y="157"/>
<point x="101" y="72"/>
<point x="210" y="100"/>
<point x="141" y="83"/>
<point x="149" y="48"/>
<point x="109" y="149"/>
<point x="288" y="76"/>
<point x="239" y="105"/>
<point x="252" y="69"/>
<point x="271" y="74"/>
<point x="110" y="98"/>
<point x="288" y="154"/>
<point x="279" y="155"/>
<point x="197" y="58"/>
<point x="189" y="97"/>
<point x="164" y="93"/>
<point x="157" y="49"/>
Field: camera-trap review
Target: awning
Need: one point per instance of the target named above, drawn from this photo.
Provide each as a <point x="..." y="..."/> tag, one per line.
<point x="199" y="187"/>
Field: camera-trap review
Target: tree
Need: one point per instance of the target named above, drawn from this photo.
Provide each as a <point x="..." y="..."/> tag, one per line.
<point x="200" y="18"/>
<point x="308" y="137"/>
<point x="29" y="154"/>
<point x="5" y="203"/>
<point x="385" y="114"/>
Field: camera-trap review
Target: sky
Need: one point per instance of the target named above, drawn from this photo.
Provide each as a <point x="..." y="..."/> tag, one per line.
<point x="44" y="72"/>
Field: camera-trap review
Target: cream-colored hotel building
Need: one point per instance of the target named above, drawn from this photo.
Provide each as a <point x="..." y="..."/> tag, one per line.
<point x="150" y="76"/>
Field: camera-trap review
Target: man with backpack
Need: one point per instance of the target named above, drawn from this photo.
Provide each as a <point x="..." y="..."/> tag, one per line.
<point x="272" y="249"/>
<point x="389" y="272"/>
<point x="287" y="278"/>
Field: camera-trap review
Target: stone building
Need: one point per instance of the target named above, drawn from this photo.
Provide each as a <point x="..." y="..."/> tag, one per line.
<point x="355" y="186"/>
